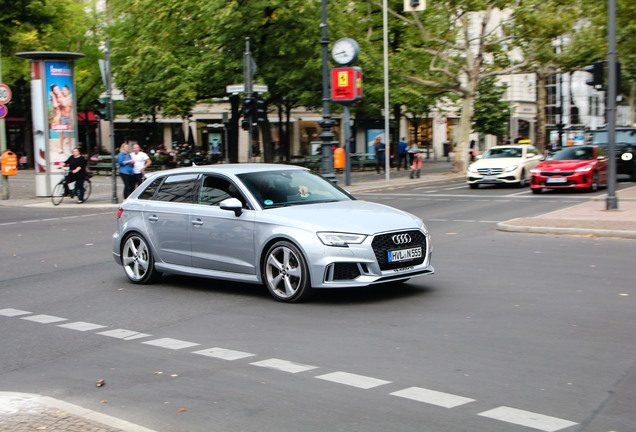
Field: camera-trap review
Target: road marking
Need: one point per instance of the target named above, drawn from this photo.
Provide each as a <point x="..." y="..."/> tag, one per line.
<point x="432" y="397"/>
<point x="527" y="418"/>
<point x="124" y="334"/>
<point x="54" y="219"/>
<point x="173" y="344"/>
<point x="9" y="312"/>
<point x="224" y="354"/>
<point x="284" y="365"/>
<point x="44" y="319"/>
<point x="81" y="326"/>
<point x="353" y="380"/>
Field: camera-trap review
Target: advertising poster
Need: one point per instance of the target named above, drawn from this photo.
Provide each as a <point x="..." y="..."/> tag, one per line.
<point x="215" y="143"/>
<point x="61" y="110"/>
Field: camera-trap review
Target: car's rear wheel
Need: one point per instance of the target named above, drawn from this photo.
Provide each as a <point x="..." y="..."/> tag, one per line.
<point x="137" y="259"/>
<point x="285" y="273"/>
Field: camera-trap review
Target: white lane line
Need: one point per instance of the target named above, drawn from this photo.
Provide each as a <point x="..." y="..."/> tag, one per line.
<point x="9" y="312"/>
<point x="44" y="319"/>
<point x="173" y="344"/>
<point x="224" y="354"/>
<point x="81" y="326"/>
<point x="124" y="334"/>
<point x="527" y="418"/>
<point x="353" y="380"/>
<point x="433" y="397"/>
<point x="284" y="365"/>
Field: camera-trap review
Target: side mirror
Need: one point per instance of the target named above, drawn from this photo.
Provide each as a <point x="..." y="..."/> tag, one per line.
<point x="601" y="158"/>
<point x="232" y="204"/>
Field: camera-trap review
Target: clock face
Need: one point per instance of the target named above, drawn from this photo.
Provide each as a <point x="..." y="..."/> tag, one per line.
<point x="344" y="51"/>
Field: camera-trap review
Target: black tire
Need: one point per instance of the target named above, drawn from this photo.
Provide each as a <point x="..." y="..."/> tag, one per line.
<point x="285" y="273"/>
<point x="473" y="185"/>
<point x="522" y="179"/>
<point x="57" y="196"/>
<point x="594" y="186"/>
<point x="137" y="259"/>
<point x="536" y="190"/>
<point x="87" y="189"/>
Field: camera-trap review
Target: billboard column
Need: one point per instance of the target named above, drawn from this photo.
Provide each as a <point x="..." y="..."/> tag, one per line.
<point x="54" y="113"/>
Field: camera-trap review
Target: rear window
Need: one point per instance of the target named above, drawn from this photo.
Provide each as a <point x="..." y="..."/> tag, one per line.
<point x="177" y="188"/>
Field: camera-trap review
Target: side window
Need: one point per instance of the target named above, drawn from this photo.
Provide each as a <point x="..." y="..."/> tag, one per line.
<point x="177" y="188"/>
<point x="215" y="189"/>
<point x="149" y="192"/>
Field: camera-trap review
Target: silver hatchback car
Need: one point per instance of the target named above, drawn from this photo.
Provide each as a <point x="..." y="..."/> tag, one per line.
<point x="278" y="225"/>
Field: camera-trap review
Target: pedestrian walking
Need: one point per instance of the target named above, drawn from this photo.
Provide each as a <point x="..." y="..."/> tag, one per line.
<point x="380" y="153"/>
<point x="402" y="152"/>
<point x="416" y="166"/>
<point x="126" y="162"/>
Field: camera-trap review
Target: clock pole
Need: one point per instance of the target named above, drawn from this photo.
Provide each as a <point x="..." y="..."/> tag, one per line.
<point x="326" y="123"/>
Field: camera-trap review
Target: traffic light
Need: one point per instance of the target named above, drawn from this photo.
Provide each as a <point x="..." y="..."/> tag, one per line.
<point x="259" y="113"/>
<point x="101" y="108"/>
<point x="248" y="113"/>
<point x="597" y="75"/>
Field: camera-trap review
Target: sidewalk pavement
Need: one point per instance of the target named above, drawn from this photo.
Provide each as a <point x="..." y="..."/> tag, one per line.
<point x="26" y="412"/>
<point x="589" y="218"/>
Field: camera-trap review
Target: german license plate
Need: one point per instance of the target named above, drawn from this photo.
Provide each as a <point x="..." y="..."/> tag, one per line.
<point x="489" y="178"/>
<point x="405" y="254"/>
<point x="557" y="180"/>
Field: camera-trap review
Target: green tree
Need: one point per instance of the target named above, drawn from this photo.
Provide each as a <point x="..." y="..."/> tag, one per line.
<point x="491" y="113"/>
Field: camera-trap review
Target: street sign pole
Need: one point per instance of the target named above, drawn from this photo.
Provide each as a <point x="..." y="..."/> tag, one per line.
<point x="109" y="92"/>
<point x="612" y="202"/>
<point x="3" y="141"/>
<point x="247" y="76"/>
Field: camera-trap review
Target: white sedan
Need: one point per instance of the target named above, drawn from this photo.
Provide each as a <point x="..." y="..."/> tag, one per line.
<point x="510" y="164"/>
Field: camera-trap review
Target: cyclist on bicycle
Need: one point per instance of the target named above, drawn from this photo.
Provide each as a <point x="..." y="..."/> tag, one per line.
<point x="76" y="173"/>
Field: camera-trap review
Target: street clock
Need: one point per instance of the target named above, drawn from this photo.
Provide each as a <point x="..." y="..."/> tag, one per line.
<point x="345" y="51"/>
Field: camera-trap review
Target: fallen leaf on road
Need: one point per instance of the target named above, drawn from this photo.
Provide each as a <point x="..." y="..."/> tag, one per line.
<point x="182" y="410"/>
<point x="100" y="383"/>
<point x="104" y="401"/>
<point x="158" y="373"/>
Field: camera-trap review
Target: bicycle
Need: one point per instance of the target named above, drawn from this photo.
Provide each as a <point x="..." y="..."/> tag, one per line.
<point x="57" y="196"/>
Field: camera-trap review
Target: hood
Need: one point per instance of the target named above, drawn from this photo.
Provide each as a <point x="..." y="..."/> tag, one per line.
<point x="497" y="162"/>
<point x="563" y="165"/>
<point x="361" y="217"/>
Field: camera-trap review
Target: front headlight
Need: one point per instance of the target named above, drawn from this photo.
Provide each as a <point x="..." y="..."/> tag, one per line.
<point x="627" y="156"/>
<point x="510" y="168"/>
<point x="340" y="239"/>
<point x="472" y="169"/>
<point x="586" y="168"/>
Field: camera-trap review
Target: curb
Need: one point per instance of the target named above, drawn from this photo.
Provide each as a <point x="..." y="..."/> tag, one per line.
<point x="507" y="227"/>
<point x="24" y="402"/>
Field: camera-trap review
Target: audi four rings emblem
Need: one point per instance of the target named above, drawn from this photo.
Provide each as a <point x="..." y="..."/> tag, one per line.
<point x="399" y="239"/>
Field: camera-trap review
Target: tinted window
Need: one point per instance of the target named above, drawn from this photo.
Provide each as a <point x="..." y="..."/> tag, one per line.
<point x="573" y="153"/>
<point x="177" y="188"/>
<point x="503" y="152"/>
<point x="216" y="189"/>
<point x="151" y="189"/>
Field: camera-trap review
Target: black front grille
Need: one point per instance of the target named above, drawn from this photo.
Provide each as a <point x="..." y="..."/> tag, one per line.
<point x="560" y="174"/>
<point x="345" y="271"/>
<point x="383" y="243"/>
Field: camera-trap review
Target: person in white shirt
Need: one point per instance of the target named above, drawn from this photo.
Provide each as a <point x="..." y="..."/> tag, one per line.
<point x="141" y="163"/>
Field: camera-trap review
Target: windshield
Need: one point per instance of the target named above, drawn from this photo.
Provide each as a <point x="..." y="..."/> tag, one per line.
<point x="572" y="153"/>
<point x="284" y="188"/>
<point x="621" y="137"/>
<point x="504" y="152"/>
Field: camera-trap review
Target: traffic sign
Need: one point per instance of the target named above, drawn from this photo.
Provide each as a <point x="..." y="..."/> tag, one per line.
<point x="5" y="94"/>
<point x="3" y="111"/>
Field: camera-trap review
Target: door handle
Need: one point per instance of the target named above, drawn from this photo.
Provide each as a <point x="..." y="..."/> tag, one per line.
<point x="153" y="218"/>
<point x="197" y="222"/>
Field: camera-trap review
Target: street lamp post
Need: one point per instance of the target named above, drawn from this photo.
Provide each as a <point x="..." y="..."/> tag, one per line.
<point x="326" y="135"/>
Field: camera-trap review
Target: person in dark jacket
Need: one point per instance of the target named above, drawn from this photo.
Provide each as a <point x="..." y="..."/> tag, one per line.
<point x="77" y="173"/>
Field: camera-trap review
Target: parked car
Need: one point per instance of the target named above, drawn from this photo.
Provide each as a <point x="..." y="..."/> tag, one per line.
<point x="278" y="225"/>
<point x="571" y="167"/>
<point x="507" y="164"/>
<point x="625" y="139"/>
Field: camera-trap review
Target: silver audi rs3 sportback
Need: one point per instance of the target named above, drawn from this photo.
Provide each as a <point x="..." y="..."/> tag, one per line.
<point x="279" y="225"/>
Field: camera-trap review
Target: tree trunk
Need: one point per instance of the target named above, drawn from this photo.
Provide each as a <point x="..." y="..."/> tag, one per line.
<point x="460" y="162"/>
<point x="541" y="141"/>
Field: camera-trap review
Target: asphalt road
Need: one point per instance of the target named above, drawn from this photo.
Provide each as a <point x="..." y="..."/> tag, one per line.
<point x="514" y="332"/>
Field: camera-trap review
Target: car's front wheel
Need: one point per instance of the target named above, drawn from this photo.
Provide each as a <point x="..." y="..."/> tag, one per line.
<point x="594" y="185"/>
<point x="522" y="179"/>
<point x="285" y="273"/>
<point x="137" y="259"/>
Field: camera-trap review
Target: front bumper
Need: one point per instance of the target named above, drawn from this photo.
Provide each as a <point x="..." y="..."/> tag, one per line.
<point x="560" y="181"/>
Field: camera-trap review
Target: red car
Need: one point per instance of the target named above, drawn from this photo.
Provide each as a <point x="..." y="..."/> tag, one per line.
<point x="571" y="167"/>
